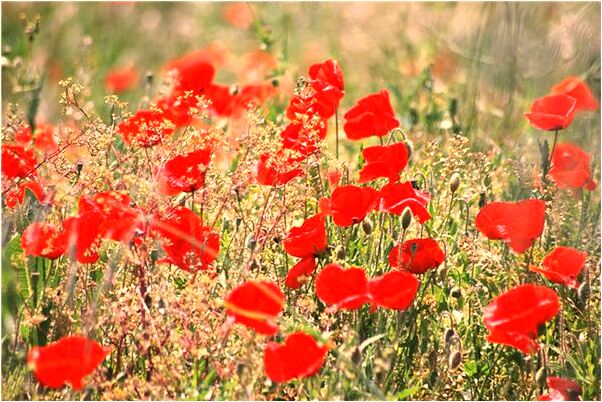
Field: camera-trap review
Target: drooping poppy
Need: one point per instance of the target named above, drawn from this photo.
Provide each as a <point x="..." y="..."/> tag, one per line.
<point x="17" y="161"/>
<point x="121" y="79"/>
<point x="66" y="361"/>
<point x="384" y="161"/>
<point x="561" y="389"/>
<point x="300" y="273"/>
<point x="394" y="198"/>
<point x="517" y="223"/>
<point x="562" y="265"/>
<point x="43" y="240"/>
<point x="577" y="89"/>
<point x="188" y="244"/>
<point x="277" y="170"/>
<point x="146" y="128"/>
<point x="552" y="112"/>
<point x="307" y="240"/>
<point x="571" y="168"/>
<point x="372" y="115"/>
<point x="417" y="256"/>
<point x="194" y="72"/>
<point x="16" y="196"/>
<point x="256" y="304"/>
<point x="394" y="290"/>
<point x="183" y="173"/>
<point x="349" y="204"/>
<point x="513" y="317"/>
<point x="345" y="289"/>
<point x="299" y="356"/>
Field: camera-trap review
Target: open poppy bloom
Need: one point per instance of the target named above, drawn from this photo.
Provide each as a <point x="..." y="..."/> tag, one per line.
<point x="66" y="361"/>
<point x="23" y="135"/>
<point x="304" y="137"/>
<point x="178" y="109"/>
<point x="307" y="240"/>
<point x="394" y="290"/>
<point x="17" y="161"/>
<point x="327" y="82"/>
<point x="43" y="240"/>
<point x="552" y="112"/>
<point x="513" y="317"/>
<point x="372" y="115"/>
<point x="299" y="356"/>
<point x="516" y="223"/>
<point x="194" y="72"/>
<point x="384" y="161"/>
<point x="349" y="204"/>
<point x="146" y="128"/>
<point x="308" y="104"/>
<point x="121" y="79"/>
<point x="16" y="196"/>
<point x="276" y="171"/>
<point x="394" y="198"/>
<point x="300" y="273"/>
<point x="187" y="243"/>
<point x="416" y="256"/>
<point x="571" y="168"/>
<point x="256" y="304"/>
<point x="345" y="289"/>
<point x="562" y="265"/>
<point x="561" y="389"/>
<point x="578" y="90"/>
<point x="83" y="236"/>
<point x="184" y="173"/>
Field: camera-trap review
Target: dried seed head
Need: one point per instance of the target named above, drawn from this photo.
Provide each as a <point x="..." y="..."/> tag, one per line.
<point x="454" y="183"/>
<point x="406" y="218"/>
<point x="367" y="226"/>
<point x="455" y="358"/>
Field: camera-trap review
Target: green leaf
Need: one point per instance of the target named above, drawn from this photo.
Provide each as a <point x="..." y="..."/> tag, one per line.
<point x="406" y="393"/>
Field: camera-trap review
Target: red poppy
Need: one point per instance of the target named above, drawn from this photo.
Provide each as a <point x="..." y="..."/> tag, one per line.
<point x="561" y="389"/>
<point x="44" y="138"/>
<point x="571" y="168"/>
<point x="345" y="289"/>
<point x="23" y="135"/>
<point x="276" y="171"/>
<point x="43" y="240"/>
<point x="516" y="223"/>
<point x="394" y="198"/>
<point x="187" y="243"/>
<point x="562" y="265"/>
<point x="184" y="173"/>
<point x="178" y="109"/>
<point x="309" y="103"/>
<point x="349" y="204"/>
<point x="146" y="128"/>
<point x="194" y="72"/>
<point x="372" y="115"/>
<point x="16" y="196"/>
<point x="256" y="304"/>
<point x="121" y="79"/>
<point x="299" y="356"/>
<point x="83" y="236"/>
<point x="239" y="15"/>
<point x="417" y="255"/>
<point x="394" y="290"/>
<point x="327" y="82"/>
<point x="513" y="317"/>
<point x="552" y="112"/>
<point x="334" y="177"/>
<point x="307" y="240"/>
<point x="231" y="100"/>
<point x="300" y="273"/>
<point x="305" y="137"/>
<point x="17" y="161"/>
<point x="66" y="361"/>
<point x="577" y="89"/>
<point x="384" y="161"/>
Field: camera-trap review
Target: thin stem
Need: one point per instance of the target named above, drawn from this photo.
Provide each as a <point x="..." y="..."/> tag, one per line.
<point x="336" y="131"/>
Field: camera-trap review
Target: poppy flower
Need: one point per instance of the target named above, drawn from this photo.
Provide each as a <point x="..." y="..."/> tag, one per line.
<point x="300" y="273"/>
<point x="44" y="240"/>
<point x="372" y="115"/>
<point x="571" y="168"/>
<point x="309" y="103"/>
<point x="513" y="317"/>
<point x="394" y="290"/>
<point x="179" y="109"/>
<point x="66" y="361"/>
<point x="562" y="265"/>
<point x="83" y="237"/>
<point x="23" y="135"/>
<point x="299" y="356"/>
<point x="349" y="204"/>
<point x="345" y="289"/>
<point x="577" y="89"/>
<point x="17" y="161"/>
<point x="334" y="177"/>
<point x="305" y="137"/>
<point x="194" y="72"/>
<point x="417" y="256"/>
<point x="384" y="161"/>
<point x="184" y="173"/>
<point x="256" y="304"/>
<point x="327" y="81"/>
<point x="44" y="138"/>
<point x="276" y="171"/>
<point x="239" y="15"/>
<point x="146" y="128"/>
<point x="516" y="223"/>
<point x="561" y="389"/>
<point x="121" y="79"/>
<point x="552" y="112"/>
<point x="16" y="196"/>
<point x="307" y="240"/>
<point x="188" y="244"/>
<point x="394" y="198"/>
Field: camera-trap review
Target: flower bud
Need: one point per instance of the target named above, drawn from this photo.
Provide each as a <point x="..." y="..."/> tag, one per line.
<point x="356" y="356"/>
<point x="455" y="358"/>
<point x="454" y="183"/>
<point x="583" y="292"/>
<point x="409" y="147"/>
<point x="406" y="218"/>
<point x="340" y="253"/>
<point x="482" y="200"/>
<point x="251" y="241"/>
<point x="455" y="292"/>
<point x="448" y="335"/>
<point x="367" y="226"/>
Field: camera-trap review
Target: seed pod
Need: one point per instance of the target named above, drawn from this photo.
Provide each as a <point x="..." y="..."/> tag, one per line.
<point x="367" y="226"/>
<point x="482" y="200"/>
<point x="406" y="218"/>
<point x="448" y="335"/>
<point x="456" y="293"/>
<point x="454" y="183"/>
<point x="455" y="358"/>
<point x="251" y="241"/>
<point x="340" y="252"/>
<point x="237" y="222"/>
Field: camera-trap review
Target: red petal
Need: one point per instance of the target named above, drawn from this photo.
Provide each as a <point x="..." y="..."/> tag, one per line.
<point x="298" y="357"/>
<point x="394" y="290"/>
<point x="345" y="289"/>
<point x="256" y="304"/>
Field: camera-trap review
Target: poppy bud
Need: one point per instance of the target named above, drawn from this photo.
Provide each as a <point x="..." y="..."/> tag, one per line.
<point x="149" y="77"/>
<point x="233" y="90"/>
<point x="367" y="226"/>
<point x="539" y="376"/>
<point x="275" y="83"/>
<point x="487" y="180"/>
<point x="251" y="241"/>
<point x="448" y="335"/>
<point x="414" y="118"/>
<point x="406" y="218"/>
<point x="238" y="222"/>
<point x="456" y="293"/>
<point x="455" y="358"/>
<point x="356" y="356"/>
<point x="340" y="253"/>
<point x="583" y="292"/>
<point x="453" y="107"/>
<point x="409" y="146"/>
<point x="482" y="200"/>
<point x="454" y="183"/>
